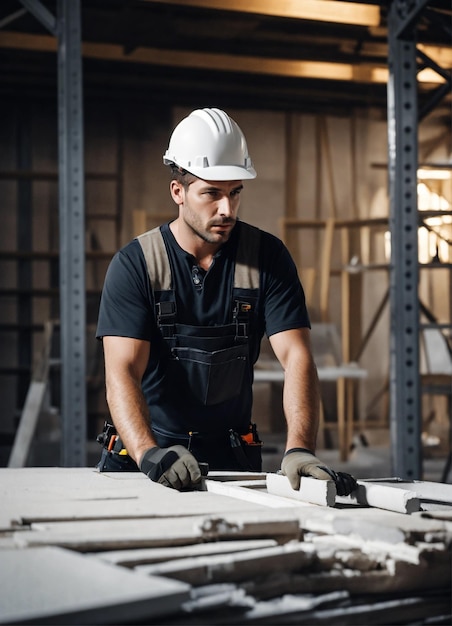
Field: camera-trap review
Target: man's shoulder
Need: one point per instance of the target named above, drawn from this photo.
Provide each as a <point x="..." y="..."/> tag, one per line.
<point x="130" y="249"/>
<point x="127" y="257"/>
<point x="149" y="234"/>
<point x="270" y="246"/>
<point x="264" y="236"/>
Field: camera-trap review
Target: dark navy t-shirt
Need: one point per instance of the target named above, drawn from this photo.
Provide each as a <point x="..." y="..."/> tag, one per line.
<point x="127" y="310"/>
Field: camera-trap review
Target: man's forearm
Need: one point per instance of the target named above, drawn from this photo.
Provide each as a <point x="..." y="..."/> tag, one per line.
<point x="301" y="402"/>
<point x="130" y="415"/>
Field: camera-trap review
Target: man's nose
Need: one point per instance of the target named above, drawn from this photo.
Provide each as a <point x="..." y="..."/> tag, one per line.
<point x="225" y="206"/>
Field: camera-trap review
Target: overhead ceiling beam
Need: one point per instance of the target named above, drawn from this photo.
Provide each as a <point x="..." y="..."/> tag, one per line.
<point x="318" y="10"/>
<point x="42" y="14"/>
<point x="362" y="73"/>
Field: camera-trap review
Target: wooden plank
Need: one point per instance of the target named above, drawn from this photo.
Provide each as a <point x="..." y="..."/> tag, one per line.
<point x="312" y="490"/>
<point x="201" y="60"/>
<point x="362" y="14"/>
<point x="139" y="221"/>
<point x="330" y="373"/>
<point x="28" y="421"/>
<point x="33" y="404"/>
<point x="325" y="269"/>
<point x="54" y="586"/>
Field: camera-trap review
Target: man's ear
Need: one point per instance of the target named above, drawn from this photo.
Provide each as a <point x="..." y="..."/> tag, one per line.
<point x="177" y="192"/>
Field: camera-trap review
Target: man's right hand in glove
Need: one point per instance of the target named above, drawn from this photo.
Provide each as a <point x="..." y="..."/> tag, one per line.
<point x="299" y="462"/>
<point x="173" y="467"/>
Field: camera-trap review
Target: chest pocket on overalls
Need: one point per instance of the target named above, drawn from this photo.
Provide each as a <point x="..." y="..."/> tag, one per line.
<point x="208" y="364"/>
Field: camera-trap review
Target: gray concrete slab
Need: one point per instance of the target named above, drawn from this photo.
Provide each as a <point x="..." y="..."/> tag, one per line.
<point x="56" y="586"/>
<point x="61" y="494"/>
<point x="93" y="535"/>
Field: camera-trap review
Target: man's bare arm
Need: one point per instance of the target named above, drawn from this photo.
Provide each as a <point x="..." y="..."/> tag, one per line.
<point x="301" y="401"/>
<point x="125" y="363"/>
<point x="301" y="387"/>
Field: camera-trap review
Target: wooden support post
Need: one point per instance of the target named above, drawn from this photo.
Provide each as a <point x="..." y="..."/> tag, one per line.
<point x="33" y="404"/>
<point x="329" y="164"/>
<point x="341" y="397"/>
<point x="326" y="269"/>
<point x="291" y="186"/>
<point x="345" y="388"/>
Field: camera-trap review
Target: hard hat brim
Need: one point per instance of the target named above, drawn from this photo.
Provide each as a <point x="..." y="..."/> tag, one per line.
<point x="220" y="172"/>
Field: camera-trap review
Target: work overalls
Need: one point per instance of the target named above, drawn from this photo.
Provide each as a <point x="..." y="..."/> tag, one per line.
<point x="207" y="365"/>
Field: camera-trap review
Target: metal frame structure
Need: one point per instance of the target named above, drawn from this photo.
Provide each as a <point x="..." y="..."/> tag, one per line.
<point x="66" y="26"/>
<point x="403" y="120"/>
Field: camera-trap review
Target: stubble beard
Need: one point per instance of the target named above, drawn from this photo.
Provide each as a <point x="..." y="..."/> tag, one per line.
<point x="211" y="237"/>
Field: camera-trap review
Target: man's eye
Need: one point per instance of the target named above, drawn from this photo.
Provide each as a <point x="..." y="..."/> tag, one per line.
<point x="236" y="192"/>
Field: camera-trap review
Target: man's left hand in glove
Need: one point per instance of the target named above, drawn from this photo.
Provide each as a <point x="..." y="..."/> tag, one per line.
<point x="299" y="462"/>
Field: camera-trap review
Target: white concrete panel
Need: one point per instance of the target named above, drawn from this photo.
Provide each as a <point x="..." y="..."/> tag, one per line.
<point x="312" y="490"/>
<point x="58" y="586"/>
<point x="281" y="524"/>
<point x="83" y="494"/>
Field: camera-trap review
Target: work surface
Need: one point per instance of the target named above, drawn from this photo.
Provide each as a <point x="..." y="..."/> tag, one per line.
<point x="79" y="547"/>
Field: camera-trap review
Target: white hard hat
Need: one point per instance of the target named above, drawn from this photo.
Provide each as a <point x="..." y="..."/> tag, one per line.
<point x="211" y="146"/>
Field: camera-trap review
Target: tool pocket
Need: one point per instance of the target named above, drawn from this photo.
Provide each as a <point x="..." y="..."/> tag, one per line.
<point x="210" y="377"/>
<point x="253" y="454"/>
<point x="247" y="449"/>
<point x="112" y="462"/>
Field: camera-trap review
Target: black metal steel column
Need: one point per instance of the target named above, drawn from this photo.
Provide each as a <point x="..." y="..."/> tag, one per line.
<point x="24" y="240"/>
<point x="72" y="234"/>
<point x="405" y="407"/>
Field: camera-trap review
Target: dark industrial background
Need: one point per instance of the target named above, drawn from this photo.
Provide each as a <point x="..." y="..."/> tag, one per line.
<point x="89" y="93"/>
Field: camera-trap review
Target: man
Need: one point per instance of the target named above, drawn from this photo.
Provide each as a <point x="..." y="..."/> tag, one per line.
<point x="184" y="308"/>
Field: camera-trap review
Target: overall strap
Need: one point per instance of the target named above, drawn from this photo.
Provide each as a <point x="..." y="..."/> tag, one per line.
<point x="246" y="276"/>
<point x="246" y="265"/>
<point x="157" y="261"/>
<point x="247" y="260"/>
<point x="159" y="270"/>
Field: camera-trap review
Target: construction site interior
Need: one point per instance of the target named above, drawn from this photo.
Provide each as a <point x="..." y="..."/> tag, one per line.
<point x="310" y="92"/>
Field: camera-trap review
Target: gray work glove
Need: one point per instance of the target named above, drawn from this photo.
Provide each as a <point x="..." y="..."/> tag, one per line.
<point x="173" y="467"/>
<point x="299" y="462"/>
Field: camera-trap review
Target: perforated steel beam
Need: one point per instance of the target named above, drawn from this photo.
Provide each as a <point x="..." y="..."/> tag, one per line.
<point x="67" y="28"/>
<point x="405" y="413"/>
<point x="72" y="234"/>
